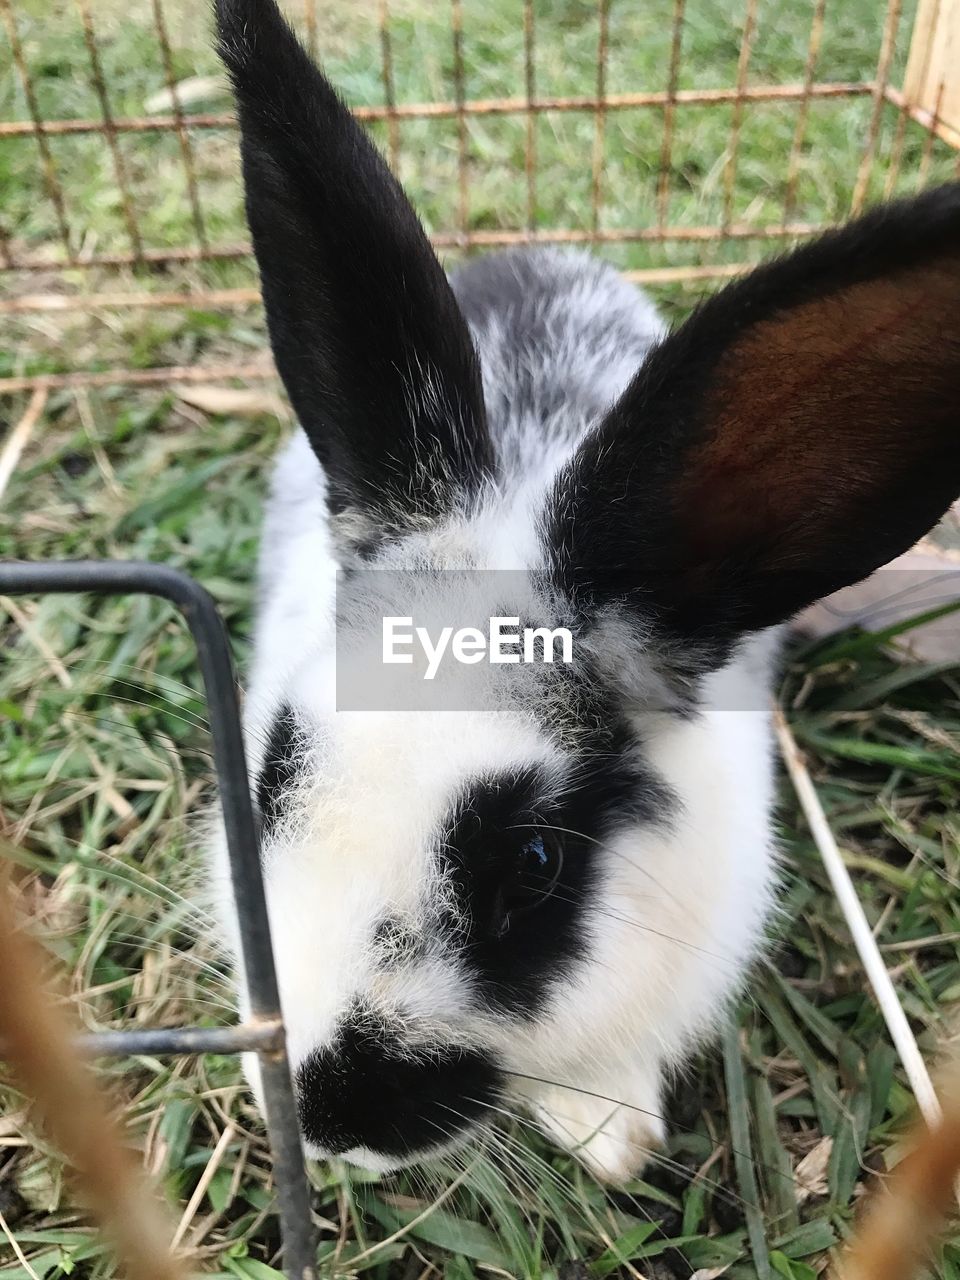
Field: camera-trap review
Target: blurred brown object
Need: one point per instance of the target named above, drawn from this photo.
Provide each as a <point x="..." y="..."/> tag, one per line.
<point x="902" y="1223"/>
<point x="35" y="1036"/>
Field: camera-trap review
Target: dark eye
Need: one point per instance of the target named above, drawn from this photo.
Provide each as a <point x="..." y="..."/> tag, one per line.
<point x="534" y="873"/>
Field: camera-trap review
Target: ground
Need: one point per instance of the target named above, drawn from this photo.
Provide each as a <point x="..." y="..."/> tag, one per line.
<point x="104" y="751"/>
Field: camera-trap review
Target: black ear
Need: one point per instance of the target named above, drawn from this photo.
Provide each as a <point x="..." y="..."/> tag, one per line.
<point x="799" y="431"/>
<point x="367" y="336"/>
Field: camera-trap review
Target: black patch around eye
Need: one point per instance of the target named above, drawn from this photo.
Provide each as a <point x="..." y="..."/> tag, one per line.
<point x="279" y="769"/>
<point x="607" y="786"/>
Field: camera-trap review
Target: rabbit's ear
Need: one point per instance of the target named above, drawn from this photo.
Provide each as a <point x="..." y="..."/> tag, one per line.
<point x="800" y="430"/>
<point x="367" y="336"/>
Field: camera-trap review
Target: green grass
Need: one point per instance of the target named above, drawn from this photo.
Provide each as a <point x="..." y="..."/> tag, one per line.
<point x="104" y="750"/>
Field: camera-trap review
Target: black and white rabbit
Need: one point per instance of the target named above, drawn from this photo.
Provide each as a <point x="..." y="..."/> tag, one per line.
<point x="549" y="901"/>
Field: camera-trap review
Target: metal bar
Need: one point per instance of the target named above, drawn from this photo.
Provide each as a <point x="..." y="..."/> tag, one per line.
<point x="736" y="118"/>
<point x="932" y="132"/>
<point x="888" y="44"/>
<point x="134" y="377"/>
<point x="264" y="373"/>
<point x="39" y="128"/>
<point x="485" y="239"/>
<point x="903" y="116"/>
<point x="184" y="253"/>
<point x="689" y="275"/>
<point x="669" y="116"/>
<point x="530" y="86"/>
<point x="793" y="164"/>
<point x="459" y="89"/>
<point x="261" y="372"/>
<point x="922" y="117"/>
<point x="186" y="147"/>
<point x="450" y="110"/>
<point x="600" y="114"/>
<point x="213" y="651"/>
<point x="896" y="152"/>
<point x="28" y="302"/>
<point x="389" y="90"/>
<point x="160" y="1041"/>
<point x="119" y="167"/>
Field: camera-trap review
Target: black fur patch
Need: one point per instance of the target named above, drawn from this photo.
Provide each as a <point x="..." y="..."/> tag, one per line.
<point x="798" y="431"/>
<point x="367" y="336"/>
<point x="279" y="769"/>
<point x="608" y="786"/>
<point x="370" y="1089"/>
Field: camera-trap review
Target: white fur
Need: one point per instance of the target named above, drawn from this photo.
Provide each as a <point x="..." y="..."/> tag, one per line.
<point x="682" y="904"/>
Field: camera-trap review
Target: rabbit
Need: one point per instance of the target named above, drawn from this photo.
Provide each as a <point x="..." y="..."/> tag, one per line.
<point x="546" y="903"/>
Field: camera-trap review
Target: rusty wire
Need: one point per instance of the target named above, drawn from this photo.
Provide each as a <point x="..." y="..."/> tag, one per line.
<point x="529" y="106"/>
<point x="389" y="91"/>
<point x="803" y="114"/>
<point x="923" y="170"/>
<point x="109" y="131"/>
<point x="530" y="84"/>
<point x="736" y="115"/>
<point x="460" y="92"/>
<point x="669" y="115"/>
<point x="600" y="111"/>
<point x="903" y="118"/>
<point x="887" y="49"/>
<point x="39" y="128"/>
<point x="451" y="110"/>
<point x="183" y="137"/>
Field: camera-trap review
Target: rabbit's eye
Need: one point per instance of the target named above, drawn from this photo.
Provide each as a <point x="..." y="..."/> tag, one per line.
<point x="534" y="874"/>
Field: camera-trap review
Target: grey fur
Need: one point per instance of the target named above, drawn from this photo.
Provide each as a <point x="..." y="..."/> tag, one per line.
<point x="559" y="334"/>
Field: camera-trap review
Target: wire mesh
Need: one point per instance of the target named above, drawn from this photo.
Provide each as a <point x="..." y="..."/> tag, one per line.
<point x="654" y="145"/>
<point x="657" y="182"/>
<point x="262" y="1032"/>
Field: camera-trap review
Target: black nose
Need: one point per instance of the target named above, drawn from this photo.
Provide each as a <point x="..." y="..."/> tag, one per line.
<point x="375" y="1088"/>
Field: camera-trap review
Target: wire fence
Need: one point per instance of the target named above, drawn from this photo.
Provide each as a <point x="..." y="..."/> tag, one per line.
<point x="611" y="127"/>
<point x="262" y="1032"/>
<point x="509" y="125"/>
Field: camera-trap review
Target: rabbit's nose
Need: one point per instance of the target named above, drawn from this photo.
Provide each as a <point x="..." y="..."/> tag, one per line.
<point x="370" y="1089"/>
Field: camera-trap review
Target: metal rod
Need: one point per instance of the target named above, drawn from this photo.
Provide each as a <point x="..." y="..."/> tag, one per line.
<point x="216" y="667"/>
<point x="39" y="128"/>
<point x="460" y="94"/>
<point x="530" y="87"/>
<point x="121" y="301"/>
<point x="736" y="116"/>
<point x="186" y="147"/>
<point x="389" y="91"/>
<point x="160" y="1041"/>
<point x="135" y="377"/>
<point x="600" y="114"/>
<point x="888" y="45"/>
<point x="482" y="239"/>
<point x="920" y="116"/>
<point x="669" y="115"/>
<point x="108" y="130"/>
<point x="927" y="153"/>
<point x="475" y="107"/>
<point x="796" y="148"/>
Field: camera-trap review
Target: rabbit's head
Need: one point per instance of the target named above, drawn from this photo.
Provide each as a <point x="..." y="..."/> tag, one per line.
<point x="550" y="892"/>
